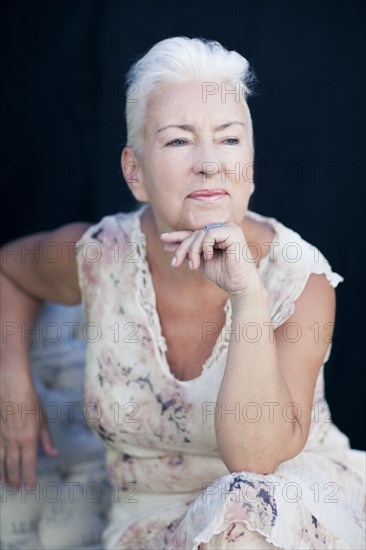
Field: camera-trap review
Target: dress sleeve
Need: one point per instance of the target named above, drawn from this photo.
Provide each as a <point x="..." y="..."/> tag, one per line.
<point x="294" y="262"/>
<point x="103" y="254"/>
<point x="91" y="251"/>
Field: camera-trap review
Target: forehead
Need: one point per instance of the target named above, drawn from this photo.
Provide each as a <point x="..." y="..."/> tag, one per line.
<point x="185" y="101"/>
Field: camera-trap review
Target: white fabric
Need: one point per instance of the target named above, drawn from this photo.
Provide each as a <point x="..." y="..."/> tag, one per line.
<point x="162" y="453"/>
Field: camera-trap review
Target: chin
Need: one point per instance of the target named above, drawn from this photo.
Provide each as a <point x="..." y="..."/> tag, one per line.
<point x="210" y="215"/>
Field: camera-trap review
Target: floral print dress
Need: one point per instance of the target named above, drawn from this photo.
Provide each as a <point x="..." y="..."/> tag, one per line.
<point x="170" y="488"/>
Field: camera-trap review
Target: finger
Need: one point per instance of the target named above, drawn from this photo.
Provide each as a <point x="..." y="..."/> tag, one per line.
<point x="171" y="247"/>
<point x="29" y="460"/>
<point x="175" y="236"/>
<point x="220" y="238"/>
<point x="182" y="250"/>
<point x="12" y="466"/>
<point x="209" y="243"/>
<point x="196" y="249"/>
<point x="46" y="441"/>
<point x="205" y="245"/>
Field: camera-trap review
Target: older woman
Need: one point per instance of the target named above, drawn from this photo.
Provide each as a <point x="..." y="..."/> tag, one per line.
<point x="214" y="324"/>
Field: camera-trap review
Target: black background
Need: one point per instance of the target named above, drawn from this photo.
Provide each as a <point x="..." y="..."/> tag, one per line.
<point x="62" y="107"/>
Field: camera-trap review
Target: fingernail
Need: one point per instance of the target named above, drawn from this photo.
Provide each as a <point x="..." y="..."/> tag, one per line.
<point x="174" y="261"/>
<point x="163" y="234"/>
<point x="190" y="264"/>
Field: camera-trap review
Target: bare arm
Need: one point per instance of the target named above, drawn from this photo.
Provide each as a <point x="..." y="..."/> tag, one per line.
<point x="275" y="373"/>
<point x="43" y="265"/>
<point x="38" y="268"/>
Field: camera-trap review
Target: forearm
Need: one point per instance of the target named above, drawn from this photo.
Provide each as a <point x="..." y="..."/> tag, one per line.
<point x="19" y="312"/>
<point x="22" y="414"/>
<point x="258" y="435"/>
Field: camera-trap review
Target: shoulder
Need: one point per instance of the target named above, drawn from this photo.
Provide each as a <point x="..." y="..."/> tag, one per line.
<point x="293" y="268"/>
<point x="105" y="247"/>
<point x="109" y="229"/>
<point x="268" y="231"/>
<point x="285" y="248"/>
<point x="300" y="261"/>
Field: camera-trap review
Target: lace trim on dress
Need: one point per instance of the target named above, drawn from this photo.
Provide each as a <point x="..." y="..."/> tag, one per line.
<point x="146" y="298"/>
<point x="146" y="295"/>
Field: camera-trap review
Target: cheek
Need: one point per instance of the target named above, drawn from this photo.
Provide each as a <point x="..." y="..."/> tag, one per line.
<point x="248" y="173"/>
<point x="239" y="173"/>
<point x="172" y="181"/>
<point x="247" y="169"/>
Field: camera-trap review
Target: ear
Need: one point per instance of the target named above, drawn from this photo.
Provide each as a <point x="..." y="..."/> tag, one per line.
<point x="132" y="174"/>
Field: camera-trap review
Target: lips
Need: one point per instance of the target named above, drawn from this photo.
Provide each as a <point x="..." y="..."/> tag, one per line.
<point x="207" y="193"/>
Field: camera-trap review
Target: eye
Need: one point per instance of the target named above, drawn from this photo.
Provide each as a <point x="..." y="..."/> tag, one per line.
<point x="174" y="142"/>
<point x="235" y="140"/>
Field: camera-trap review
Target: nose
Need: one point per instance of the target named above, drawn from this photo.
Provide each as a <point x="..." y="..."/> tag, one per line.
<point x="206" y="161"/>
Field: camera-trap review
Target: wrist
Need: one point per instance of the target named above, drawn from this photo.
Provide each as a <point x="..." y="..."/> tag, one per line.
<point x="253" y="297"/>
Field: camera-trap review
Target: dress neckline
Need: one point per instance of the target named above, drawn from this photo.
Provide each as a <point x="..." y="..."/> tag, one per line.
<point x="148" y="301"/>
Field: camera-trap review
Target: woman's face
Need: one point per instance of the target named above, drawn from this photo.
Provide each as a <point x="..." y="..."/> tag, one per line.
<point x="207" y="154"/>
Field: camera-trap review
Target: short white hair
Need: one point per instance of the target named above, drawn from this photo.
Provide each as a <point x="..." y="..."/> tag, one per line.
<point x="180" y="59"/>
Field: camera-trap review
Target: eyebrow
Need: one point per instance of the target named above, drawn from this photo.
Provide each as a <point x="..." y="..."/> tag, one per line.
<point x="190" y="128"/>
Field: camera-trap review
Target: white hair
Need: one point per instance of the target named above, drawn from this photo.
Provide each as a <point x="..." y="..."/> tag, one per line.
<point x="180" y="59"/>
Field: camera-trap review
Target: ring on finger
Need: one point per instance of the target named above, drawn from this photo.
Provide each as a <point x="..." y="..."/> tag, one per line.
<point x="209" y="226"/>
